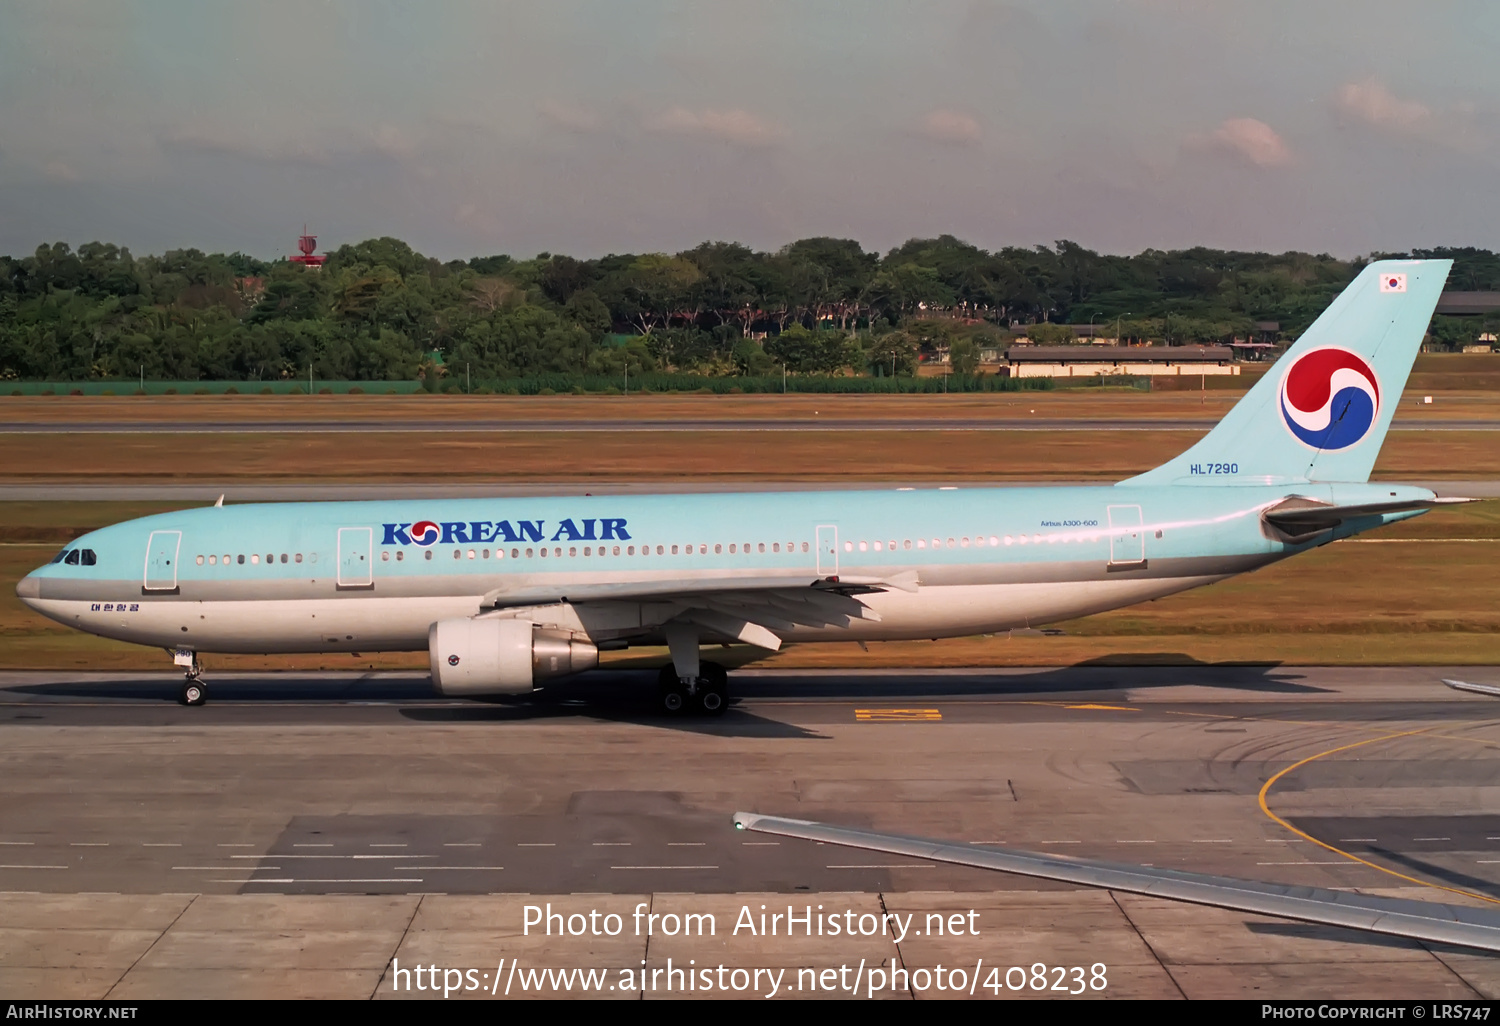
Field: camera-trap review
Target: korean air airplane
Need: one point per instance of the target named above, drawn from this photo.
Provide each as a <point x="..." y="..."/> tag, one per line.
<point x="507" y="594"/>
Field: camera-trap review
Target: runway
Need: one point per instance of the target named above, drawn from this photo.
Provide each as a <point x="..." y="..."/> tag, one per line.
<point x="239" y="491"/>
<point x="683" y="424"/>
<point x="288" y="790"/>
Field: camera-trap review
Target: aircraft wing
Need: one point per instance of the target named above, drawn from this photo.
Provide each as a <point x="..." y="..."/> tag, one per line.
<point x="1299" y="517"/>
<point x="746" y="609"/>
<point x="1420" y="920"/>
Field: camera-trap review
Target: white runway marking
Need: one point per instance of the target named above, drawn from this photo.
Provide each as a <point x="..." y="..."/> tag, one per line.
<point x="33" y="867"/>
<point x="887" y="865"/>
<point x="357" y="880"/>
<point x="226" y="869"/>
<point x="332" y="856"/>
<point x="429" y="869"/>
<point x="663" y="867"/>
<point x="160" y="844"/>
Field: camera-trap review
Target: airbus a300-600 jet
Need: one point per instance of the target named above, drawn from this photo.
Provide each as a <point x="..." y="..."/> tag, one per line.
<point x="507" y="594"/>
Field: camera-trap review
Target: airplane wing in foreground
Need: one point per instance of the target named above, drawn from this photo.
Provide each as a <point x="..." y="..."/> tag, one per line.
<point x="1418" y="920"/>
<point x="1478" y="689"/>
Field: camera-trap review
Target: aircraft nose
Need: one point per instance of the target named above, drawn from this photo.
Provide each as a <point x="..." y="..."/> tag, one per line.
<point x="28" y="588"/>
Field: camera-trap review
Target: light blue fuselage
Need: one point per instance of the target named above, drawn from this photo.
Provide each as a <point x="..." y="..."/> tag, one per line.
<point x="342" y="576"/>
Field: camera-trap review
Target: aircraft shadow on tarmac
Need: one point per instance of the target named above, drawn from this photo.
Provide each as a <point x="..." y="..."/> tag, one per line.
<point x="1443" y="874"/>
<point x="632" y="687"/>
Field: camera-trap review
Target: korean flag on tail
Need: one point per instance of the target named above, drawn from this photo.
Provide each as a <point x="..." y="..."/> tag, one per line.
<point x="1393" y="283"/>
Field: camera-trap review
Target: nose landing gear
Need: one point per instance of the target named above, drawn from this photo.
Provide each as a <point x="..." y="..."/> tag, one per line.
<point x="194" y="691"/>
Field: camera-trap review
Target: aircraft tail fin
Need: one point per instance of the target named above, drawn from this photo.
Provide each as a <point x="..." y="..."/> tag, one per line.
<point x="1322" y="411"/>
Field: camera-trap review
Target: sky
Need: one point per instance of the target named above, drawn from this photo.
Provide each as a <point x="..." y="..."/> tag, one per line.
<point x="589" y="127"/>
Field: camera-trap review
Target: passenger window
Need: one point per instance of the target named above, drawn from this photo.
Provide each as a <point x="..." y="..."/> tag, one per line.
<point x="212" y="560"/>
<point x="543" y="552"/>
<point x="776" y="546"/>
<point x="385" y="555"/>
<point x="428" y="553"/>
<point x="241" y="558"/>
<point x="878" y="547"/>
<point x="891" y="545"/>
<point x="515" y="553"/>
<point x="848" y="546"/>
<point x="906" y="544"/>
<point x="484" y="553"/>
<point x="761" y="547"/>
<point x="200" y="560"/>
<point x="572" y="551"/>
<point x="659" y="551"/>
<point x="630" y="550"/>
<point x="254" y="558"/>
<point x="299" y="556"/>
<point x="674" y="550"/>
<point x="718" y="550"/>
<point x="312" y="557"/>
<point x="804" y="546"/>
<point x="731" y="549"/>
<point x="399" y="556"/>
<point x="458" y="554"/>
<point x="617" y="550"/>
<point x="471" y="553"/>
<point x="530" y="552"/>
<point x="270" y="557"/>
<point x="994" y="540"/>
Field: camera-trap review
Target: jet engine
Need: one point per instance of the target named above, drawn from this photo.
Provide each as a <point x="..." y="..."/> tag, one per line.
<point x="494" y="656"/>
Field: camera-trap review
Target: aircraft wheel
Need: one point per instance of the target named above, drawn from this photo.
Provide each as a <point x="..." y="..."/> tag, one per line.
<point x="193" y="693"/>
<point x="712" y="700"/>
<point x="673" y="701"/>
<point x="672" y="696"/>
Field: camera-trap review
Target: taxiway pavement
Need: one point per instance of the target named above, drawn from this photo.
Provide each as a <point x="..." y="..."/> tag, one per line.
<point x="302" y="830"/>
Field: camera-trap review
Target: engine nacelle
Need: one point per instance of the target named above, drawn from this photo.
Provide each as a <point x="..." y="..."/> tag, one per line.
<point x="494" y="656"/>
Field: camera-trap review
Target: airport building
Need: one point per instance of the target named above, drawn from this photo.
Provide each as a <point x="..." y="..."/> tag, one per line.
<point x="1096" y="361"/>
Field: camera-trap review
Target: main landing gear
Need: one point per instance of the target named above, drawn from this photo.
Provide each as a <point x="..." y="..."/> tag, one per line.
<point x="194" y="691"/>
<point x="685" y="684"/>
<point x="706" y="694"/>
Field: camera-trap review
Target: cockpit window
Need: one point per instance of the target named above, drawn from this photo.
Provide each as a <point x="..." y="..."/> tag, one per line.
<point x="87" y="557"/>
<point x="60" y="556"/>
<point x="72" y="559"/>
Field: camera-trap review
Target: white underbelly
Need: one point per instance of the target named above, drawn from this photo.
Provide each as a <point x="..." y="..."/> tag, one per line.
<point x="400" y="624"/>
<point x="300" y="625"/>
<point x="962" y="610"/>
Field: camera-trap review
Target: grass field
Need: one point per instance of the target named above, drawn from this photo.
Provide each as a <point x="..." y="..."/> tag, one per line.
<point x="1421" y="592"/>
<point x="632" y="456"/>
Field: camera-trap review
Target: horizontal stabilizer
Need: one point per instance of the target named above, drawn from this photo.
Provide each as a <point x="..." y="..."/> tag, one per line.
<point x="1300" y="518"/>
<point x="1399" y="917"/>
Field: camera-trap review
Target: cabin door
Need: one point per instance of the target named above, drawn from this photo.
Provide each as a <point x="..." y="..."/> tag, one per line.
<point x="828" y="550"/>
<point x="356" y="563"/>
<point x="1127" y="541"/>
<point x="161" y="561"/>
